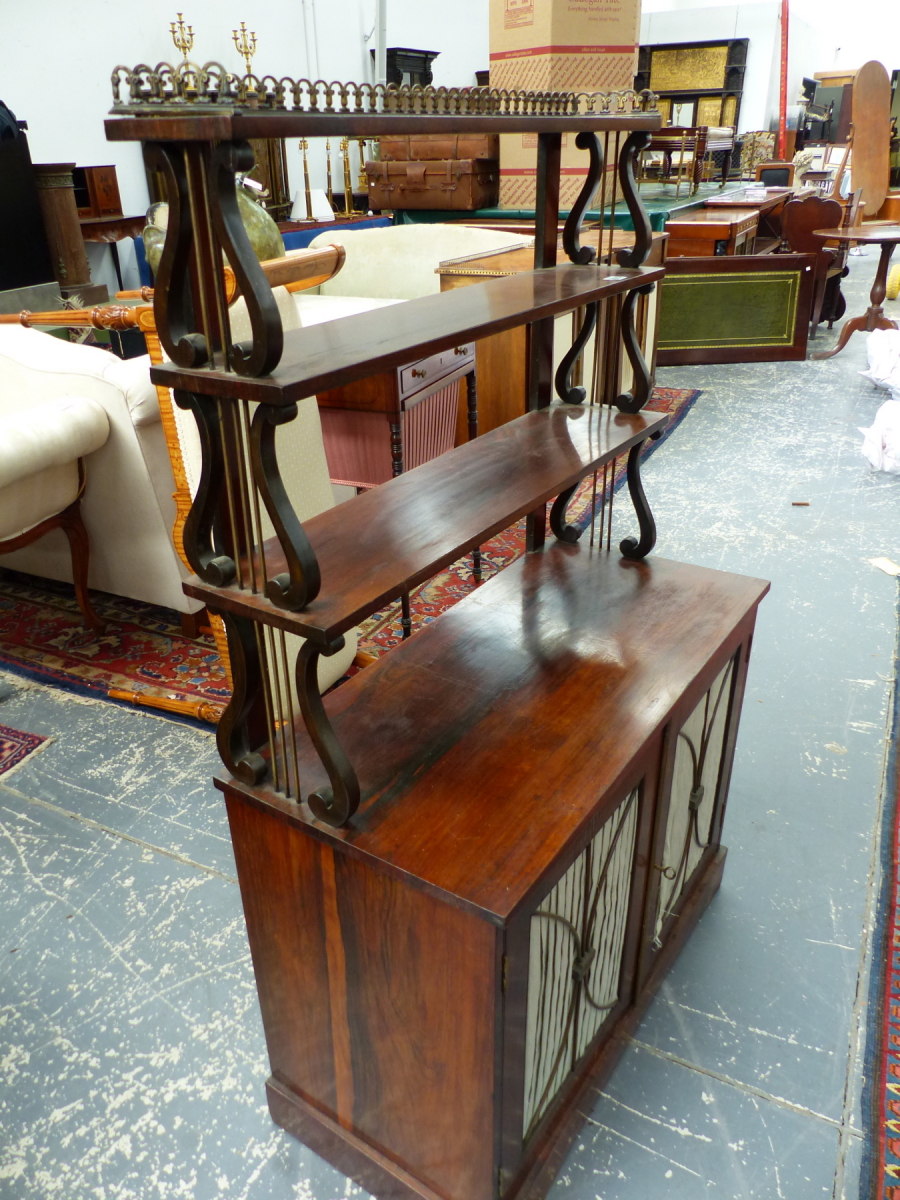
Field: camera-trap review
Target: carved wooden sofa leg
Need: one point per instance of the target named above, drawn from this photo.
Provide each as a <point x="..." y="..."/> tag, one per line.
<point x="70" y="522"/>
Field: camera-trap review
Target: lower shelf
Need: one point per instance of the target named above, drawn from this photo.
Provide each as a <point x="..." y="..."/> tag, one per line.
<point x="444" y="980"/>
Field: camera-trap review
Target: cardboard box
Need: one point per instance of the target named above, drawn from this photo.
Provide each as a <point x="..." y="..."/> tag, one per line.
<point x="557" y="45"/>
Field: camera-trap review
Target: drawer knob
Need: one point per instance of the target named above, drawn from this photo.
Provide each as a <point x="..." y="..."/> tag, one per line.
<point x="418" y="374"/>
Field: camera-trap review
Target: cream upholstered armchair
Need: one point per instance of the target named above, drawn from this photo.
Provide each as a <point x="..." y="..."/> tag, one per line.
<point x="43" y="444"/>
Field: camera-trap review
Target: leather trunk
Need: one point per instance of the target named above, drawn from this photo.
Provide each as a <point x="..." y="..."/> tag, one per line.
<point x="438" y="147"/>
<point x="462" y="184"/>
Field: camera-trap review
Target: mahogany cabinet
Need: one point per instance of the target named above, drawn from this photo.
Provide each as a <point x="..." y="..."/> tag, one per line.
<point x="444" y="980"/>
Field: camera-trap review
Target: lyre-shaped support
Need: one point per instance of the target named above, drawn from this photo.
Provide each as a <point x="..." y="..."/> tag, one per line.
<point x="561" y="531"/>
<point x="240" y="731"/>
<point x="300" y="584"/>
<point x="337" y="803"/>
<point x="172" y="305"/>
<point x="637" y="255"/>
<point x="582" y="255"/>
<point x="635" y="548"/>
<point x="263" y="353"/>
<point x="642" y="381"/>
<point x="567" y="393"/>
<point x="212" y="567"/>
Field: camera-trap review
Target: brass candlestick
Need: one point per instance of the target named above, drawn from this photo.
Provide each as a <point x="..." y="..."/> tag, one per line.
<point x="182" y="36"/>
<point x="363" y="184"/>
<point x="304" y="145"/>
<point x="329" y="192"/>
<point x="348" y="183"/>
<point x="245" y="44"/>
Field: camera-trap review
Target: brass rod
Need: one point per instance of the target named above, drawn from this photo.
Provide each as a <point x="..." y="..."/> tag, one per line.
<point x="229" y="493"/>
<point x="254" y="492"/>
<point x="267" y="700"/>
<point x="290" y="700"/>
<point x="243" y="495"/>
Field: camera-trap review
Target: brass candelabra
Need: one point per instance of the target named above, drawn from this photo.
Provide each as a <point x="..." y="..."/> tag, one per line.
<point x="182" y="36"/>
<point x="245" y="44"/>
<point x="304" y="146"/>
<point x="329" y="191"/>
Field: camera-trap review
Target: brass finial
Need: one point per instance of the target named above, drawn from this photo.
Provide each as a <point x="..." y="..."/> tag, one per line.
<point x="182" y="36"/>
<point x="245" y="43"/>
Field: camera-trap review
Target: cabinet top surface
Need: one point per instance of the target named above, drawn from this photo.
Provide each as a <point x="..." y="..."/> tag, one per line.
<point x="485" y="743"/>
<point x="338" y="352"/>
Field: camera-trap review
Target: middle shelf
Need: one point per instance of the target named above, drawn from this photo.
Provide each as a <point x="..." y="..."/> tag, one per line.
<point x="376" y="546"/>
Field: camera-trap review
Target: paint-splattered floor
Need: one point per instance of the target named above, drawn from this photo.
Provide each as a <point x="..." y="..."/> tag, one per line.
<point x="132" y="1059"/>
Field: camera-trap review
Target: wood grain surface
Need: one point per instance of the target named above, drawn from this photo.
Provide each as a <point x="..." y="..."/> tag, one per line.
<point x="588" y="649"/>
<point x="393" y="537"/>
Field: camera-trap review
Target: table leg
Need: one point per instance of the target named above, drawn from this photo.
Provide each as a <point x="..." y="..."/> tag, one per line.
<point x="114" y="248"/>
<point x="874" y="318"/>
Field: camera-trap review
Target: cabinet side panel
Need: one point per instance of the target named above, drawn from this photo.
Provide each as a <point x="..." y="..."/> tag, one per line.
<point x="279" y="870"/>
<point x="421" y="987"/>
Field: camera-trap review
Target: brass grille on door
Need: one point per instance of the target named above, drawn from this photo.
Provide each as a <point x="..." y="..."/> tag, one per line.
<point x="575" y="963"/>
<point x="695" y="784"/>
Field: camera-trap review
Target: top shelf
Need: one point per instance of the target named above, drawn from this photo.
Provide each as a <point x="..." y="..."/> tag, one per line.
<point x="181" y="126"/>
<point x="338" y="352"/>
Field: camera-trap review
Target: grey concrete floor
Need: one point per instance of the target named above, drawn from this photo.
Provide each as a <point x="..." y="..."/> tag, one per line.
<point x="132" y="1059"/>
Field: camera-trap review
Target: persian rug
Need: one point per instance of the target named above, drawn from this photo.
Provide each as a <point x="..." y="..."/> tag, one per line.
<point x="43" y="637"/>
<point x="881" y="1089"/>
<point x="142" y="649"/>
<point x="382" y="630"/>
<point x="16" y="747"/>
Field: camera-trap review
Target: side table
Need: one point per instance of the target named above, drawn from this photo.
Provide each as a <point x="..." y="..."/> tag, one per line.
<point x="887" y="237"/>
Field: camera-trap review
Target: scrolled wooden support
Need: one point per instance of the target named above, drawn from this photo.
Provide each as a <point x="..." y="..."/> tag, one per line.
<point x="212" y="567"/>
<point x="298" y="586"/>
<point x="337" y="803"/>
<point x="263" y="353"/>
<point x="642" y="383"/>
<point x="562" y="531"/>
<point x="236" y="739"/>
<point x="579" y="254"/>
<point x="172" y="297"/>
<point x="575" y="395"/>
<point x="637" y="255"/>
<point x="635" y="548"/>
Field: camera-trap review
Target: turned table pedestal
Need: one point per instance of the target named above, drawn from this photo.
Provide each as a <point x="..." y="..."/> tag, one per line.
<point x="886" y="236"/>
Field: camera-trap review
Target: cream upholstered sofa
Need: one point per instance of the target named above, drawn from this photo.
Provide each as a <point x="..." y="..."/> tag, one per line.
<point x="387" y="265"/>
<point x="128" y="505"/>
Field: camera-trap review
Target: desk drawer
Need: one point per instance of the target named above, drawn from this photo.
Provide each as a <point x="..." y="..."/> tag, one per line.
<point x="421" y="374"/>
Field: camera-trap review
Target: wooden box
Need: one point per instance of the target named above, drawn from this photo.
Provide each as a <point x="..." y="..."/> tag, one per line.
<point x="97" y="191"/>
<point x="544" y="773"/>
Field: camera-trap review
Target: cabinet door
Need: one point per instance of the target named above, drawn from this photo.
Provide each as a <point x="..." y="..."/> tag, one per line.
<point x="695" y="778"/>
<point x="578" y="973"/>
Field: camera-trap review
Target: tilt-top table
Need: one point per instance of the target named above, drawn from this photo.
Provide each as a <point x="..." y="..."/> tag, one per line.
<point x="886" y="236"/>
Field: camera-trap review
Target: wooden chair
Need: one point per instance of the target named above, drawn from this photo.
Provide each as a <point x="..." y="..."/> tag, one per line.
<point x="775" y="174"/>
<point x="799" y="220"/>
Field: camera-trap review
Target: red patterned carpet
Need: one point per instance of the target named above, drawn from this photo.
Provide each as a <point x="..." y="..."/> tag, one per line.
<point x="16" y="746"/>
<point x="142" y="649"/>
